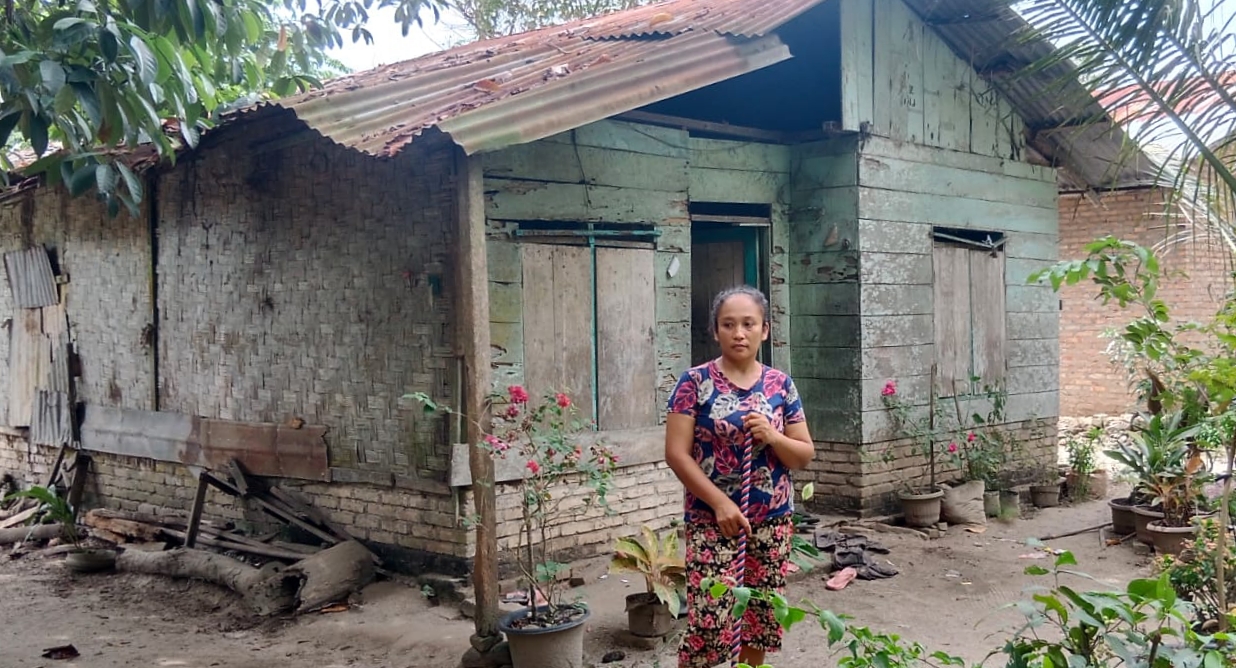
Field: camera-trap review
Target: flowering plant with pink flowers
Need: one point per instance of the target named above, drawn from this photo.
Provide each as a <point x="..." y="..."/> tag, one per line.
<point x="558" y="465"/>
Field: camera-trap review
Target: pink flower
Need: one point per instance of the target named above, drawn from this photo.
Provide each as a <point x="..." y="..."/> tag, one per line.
<point x="563" y="400"/>
<point x="952" y="447"/>
<point x="534" y="467"/>
<point x="496" y="443"/>
<point x="512" y="411"/>
<point x="970" y="437"/>
<point x="890" y="389"/>
<point x="518" y="394"/>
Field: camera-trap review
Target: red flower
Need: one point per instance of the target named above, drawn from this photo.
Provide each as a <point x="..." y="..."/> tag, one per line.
<point x="534" y="467"/>
<point x="970" y="437"/>
<point x="512" y="411"/>
<point x="952" y="447"/>
<point x="890" y="389"/>
<point x="518" y="394"/>
<point x="563" y="400"/>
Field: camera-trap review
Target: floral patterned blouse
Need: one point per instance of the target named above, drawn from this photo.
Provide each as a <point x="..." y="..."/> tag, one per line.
<point x="705" y="394"/>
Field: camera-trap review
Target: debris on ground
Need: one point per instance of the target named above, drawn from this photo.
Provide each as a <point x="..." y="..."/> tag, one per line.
<point x="858" y="551"/>
<point x="61" y="653"/>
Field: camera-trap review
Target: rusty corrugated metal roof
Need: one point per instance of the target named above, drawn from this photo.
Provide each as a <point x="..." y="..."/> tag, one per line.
<point x="481" y="93"/>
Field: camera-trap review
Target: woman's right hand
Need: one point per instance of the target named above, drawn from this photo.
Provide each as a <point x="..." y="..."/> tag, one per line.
<point x="731" y="519"/>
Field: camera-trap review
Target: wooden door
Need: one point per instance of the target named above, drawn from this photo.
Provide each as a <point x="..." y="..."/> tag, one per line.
<point x="721" y="258"/>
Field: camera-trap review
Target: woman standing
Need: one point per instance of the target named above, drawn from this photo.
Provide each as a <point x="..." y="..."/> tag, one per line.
<point x="712" y="411"/>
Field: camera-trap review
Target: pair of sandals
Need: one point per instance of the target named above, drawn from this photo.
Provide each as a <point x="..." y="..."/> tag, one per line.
<point x="853" y="556"/>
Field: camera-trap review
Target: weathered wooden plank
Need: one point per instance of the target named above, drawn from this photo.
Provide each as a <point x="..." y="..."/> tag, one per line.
<point x="896" y="268"/>
<point x="893" y="362"/>
<point x="1033" y="379"/>
<point x="954" y="211"/>
<point x="626" y="339"/>
<point x="823" y="268"/>
<point x="1017" y="270"/>
<point x="715" y="266"/>
<point x="673" y="304"/>
<point x="825" y="363"/>
<point x="929" y="155"/>
<point x="832" y="424"/>
<point x="988" y="315"/>
<point x="825" y="331"/>
<point x="911" y="388"/>
<point x="564" y="163"/>
<point x="634" y="447"/>
<point x="1033" y="352"/>
<point x="505" y="302"/>
<point x="26" y="352"/>
<point x="504" y="264"/>
<point x="898" y="75"/>
<point x="264" y="449"/>
<point x="506" y="344"/>
<point x="824" y="220"/>
<point x="857" y="64"/>
<point x="831" y="299"/>
<point x="883" y="236"/>
<point x="946" y="123"/>
<point x="984" y="118"/>
<point x="633" y="137"/>
<point x="1032" y="299"/>
<point x="557" y="299"/>
<point x="954" y="345"/>
<point x="812" y="172"/>
<point x="738" y="155"/>
<point x="1034" y="325"/>
<point x="1042" y="247"/>
<point x="529" y="200"/>
<point x="725" y="185"/>
<point x="892" y="299"/>
<point x="1023" y="407"/>
<point x="880" y="331"/>
<point x="903" y="175"/>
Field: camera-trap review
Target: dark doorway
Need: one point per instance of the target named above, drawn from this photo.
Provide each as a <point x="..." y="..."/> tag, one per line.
<point x="723" y="255"/>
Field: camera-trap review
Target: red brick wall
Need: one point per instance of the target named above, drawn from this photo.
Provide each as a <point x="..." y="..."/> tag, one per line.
<point x="1089" y="383"/>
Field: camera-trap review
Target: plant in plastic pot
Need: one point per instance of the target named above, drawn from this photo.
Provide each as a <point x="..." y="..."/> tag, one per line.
<point x="57" y="509"/>
<point x="561" y="460"/>
<point x="651" y="613"/>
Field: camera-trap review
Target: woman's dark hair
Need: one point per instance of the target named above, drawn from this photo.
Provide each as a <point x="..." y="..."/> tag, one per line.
<point x="724" y="296"/>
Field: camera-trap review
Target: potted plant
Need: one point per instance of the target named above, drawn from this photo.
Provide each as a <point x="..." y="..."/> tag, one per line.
<point x="651" y="613"/>
<point x="57" y="509"/>
<point x="1175" y="492"/>
<point x="1084" y="480"/>
<point x="1045" y="492"/>
<point x="919" y="505"/>
<point x="557" y="465"/>
<point x="1159" y="447"/>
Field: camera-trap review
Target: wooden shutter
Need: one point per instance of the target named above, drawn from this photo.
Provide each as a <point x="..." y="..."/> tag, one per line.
<point x="557" y="315"/>
<point x="988" y="314"/>
<point x="952" y="319"/>
<point x="626" y="339"/>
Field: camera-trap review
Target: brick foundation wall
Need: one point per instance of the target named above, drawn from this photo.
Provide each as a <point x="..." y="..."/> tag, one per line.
<point x="1089" y="383"/>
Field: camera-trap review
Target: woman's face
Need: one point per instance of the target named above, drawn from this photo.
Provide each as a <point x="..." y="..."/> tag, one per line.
<point x="741" y="328"/>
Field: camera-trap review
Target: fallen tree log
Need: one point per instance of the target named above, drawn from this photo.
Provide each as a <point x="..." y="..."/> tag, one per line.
<point x="22" y="534"/>
<point x="19" y="518"/>
<point x="266" y="591"/>
<point x="332" y="575"/>
<point x="130" y="529"/>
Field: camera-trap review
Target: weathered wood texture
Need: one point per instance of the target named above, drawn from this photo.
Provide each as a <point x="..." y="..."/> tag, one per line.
<point x="922" y="302"/>
<point x="824" y="269"/>
<point x="904" y="82"/>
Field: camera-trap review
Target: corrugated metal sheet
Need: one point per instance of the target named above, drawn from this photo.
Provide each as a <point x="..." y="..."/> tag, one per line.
<point x="52" y="423"/>
<point x="510" y="90"/>
<point x="31" y="278"/>
<point x="993" y="37"/>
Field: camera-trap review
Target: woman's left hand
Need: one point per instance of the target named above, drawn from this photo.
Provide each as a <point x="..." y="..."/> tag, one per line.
<point x="760" y="428"/>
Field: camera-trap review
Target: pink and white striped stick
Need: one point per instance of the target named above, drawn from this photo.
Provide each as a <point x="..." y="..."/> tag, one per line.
<point x="740" y="560"/>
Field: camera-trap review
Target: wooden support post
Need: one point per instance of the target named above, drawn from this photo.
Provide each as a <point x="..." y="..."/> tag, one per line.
<point x="81" y="469"/>
<point x="474" y="342"/>
<point x="195" y="515"/>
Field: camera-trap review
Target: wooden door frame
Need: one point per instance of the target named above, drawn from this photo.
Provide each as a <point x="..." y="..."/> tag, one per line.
<point x="755" y="241"/>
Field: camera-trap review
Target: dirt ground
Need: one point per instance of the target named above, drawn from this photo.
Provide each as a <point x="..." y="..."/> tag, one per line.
<point x="948" y="596"/>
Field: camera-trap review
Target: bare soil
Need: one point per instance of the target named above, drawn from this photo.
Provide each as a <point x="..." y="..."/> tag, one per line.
<point x="950" y="596"/>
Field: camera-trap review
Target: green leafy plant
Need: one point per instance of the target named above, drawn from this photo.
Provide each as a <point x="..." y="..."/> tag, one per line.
<point x="658" y="560"/>
<point x="1146" y="625"/>
<point x="1193" y="574"/>
<point x="546" y="436"/>
<point x="1082" y="461"/>
<point x="53" y="507"/>
<point x="1157" y="449"/>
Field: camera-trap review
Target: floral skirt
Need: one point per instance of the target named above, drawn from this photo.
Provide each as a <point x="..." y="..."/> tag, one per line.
<point x="710" y="621"/>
